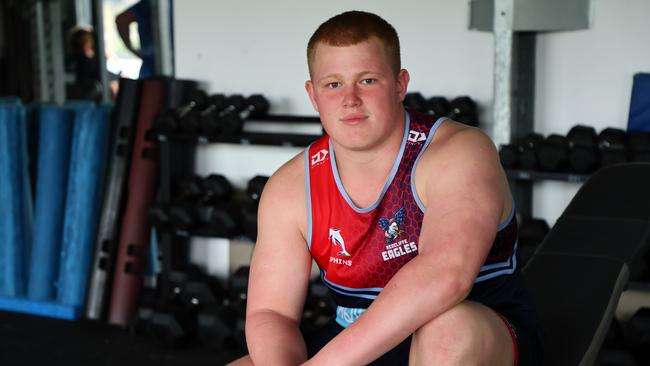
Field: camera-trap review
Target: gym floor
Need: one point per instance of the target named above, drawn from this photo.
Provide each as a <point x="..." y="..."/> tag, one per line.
<point x="31" y="340"/>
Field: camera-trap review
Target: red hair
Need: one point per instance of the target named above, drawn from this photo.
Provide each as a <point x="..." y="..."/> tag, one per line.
<point x="353" y="27"/>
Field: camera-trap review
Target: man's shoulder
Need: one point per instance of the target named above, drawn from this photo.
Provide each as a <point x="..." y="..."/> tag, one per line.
<point x="456" y="143"/>
<point x="288" y="181"/>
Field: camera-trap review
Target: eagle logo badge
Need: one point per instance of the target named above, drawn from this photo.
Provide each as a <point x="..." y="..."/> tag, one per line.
<point x="391" y="225"/>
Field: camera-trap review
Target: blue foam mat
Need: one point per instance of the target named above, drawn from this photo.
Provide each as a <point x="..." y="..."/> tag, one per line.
<point x="83" y="200"/>
<point x="55" y="124"/>
<point x="41" y="308"/>
<point x="15" y="198"/>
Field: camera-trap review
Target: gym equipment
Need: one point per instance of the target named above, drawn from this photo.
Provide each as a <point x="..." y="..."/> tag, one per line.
<point x="509" y="156"/>
<point x="553" y="153"/>
<point x="319" y="307"/>
<point x="15" y="199"/>
<point x="255" y="187"/>
<point x="204" y="201"/>
<point x="414" y="102"/>
<point x="55" y="135"/>
<point x="528" y="150"/>
<point x="238" y="284"/>
<point x="209" y="116"/>
<point x="254" y="190"/>
<point x="232" y="119"/>
<point x="530" y="234"/>
<point x="249" y="220"/>
<point x="522" y="154"/>
<point x="83" y="200"/>
<point x="600" y="200"/>
<point x="173" y="120"/>
<point x="597" y="244"/>
<point x="559" y="285"/>
<point x="584" y="156"/>
<point x="223" y="220"/>
<point x="463" y="109"/>
<point x="639" y="114"/>
<point x="639" y="145"/>
<point x="134" y="231"/>
<point x="215" y="188"/>
<point x="613" y="146"/>
<point x="124" y="116"/>
<point x="437" y="106"/>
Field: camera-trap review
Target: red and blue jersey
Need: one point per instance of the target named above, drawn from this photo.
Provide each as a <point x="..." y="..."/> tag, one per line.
<point x="359" y="249"/>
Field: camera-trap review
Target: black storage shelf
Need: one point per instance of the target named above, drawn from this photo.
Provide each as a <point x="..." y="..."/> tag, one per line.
<point x="203" y="231"/>
<point x="536" y="175"/>
<point x="252" y="138"/>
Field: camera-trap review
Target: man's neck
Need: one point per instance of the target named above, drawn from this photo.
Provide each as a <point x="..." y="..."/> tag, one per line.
<point x="364" y="172"/>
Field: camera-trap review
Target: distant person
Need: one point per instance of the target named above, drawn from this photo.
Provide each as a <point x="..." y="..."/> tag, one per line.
<point x="140" y="13"/>
<point x="84" y="63"/>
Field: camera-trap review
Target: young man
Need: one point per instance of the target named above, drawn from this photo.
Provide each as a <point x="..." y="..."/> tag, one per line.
<point x="410" y="220"/>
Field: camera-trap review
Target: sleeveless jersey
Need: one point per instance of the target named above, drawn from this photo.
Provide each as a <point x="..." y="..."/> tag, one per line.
<point x="358" y="250"/>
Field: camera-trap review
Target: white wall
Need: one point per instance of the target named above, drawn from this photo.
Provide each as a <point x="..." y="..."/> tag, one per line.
<point x="252" y="46"/>
<point x="585" y="77"/>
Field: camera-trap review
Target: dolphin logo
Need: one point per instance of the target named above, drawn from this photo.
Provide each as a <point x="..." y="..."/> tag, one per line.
<point x="337" y="239"/>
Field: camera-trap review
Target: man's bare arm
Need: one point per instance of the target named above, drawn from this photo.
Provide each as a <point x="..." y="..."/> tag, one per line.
<point x="122" y="23"/>
<point x="464" y="200"/>
<point x="280" y="270"/>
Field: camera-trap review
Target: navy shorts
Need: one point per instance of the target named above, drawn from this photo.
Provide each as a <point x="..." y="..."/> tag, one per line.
<point x="527" y="345"/>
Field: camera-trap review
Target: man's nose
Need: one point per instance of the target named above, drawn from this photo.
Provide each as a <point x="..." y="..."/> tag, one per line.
<point x="351" y="96"/>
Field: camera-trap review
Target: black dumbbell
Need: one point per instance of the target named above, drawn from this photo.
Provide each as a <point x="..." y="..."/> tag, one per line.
<point x="255" y="187"/>
<point x="584" y="153"/>
<point x="223" y="219"/>
<point x="158" y="215"/>
<point x="169" y="320"/>
<point x="414" y="102"/>
<point x="209" y="116"/>
<point x="195" y="203"/>
<point x="553" y="153"/>
<point x="249" y="220"/>
<point x="613" y="146"/>
<point x="528" y="147"/>
<point x="238" y="284"/>
<point x="254" y="106"/>
<point x="217" y="325"/>
<point x="169" y="122"/>
<point x="509" y="156"/>
<point x="464" y="109"/>
<point x="192" y="123"/>
<point x="437" y="106"/>
<point x="215" y="188"/>
<point x="639" y="146"/>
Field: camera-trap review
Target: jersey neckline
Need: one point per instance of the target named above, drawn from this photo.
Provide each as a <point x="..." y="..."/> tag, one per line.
<point x="389" y="180"/>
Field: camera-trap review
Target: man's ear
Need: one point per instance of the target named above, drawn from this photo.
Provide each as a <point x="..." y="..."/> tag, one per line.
<point x="309" y="86"/>
<point x="403" y="79"/>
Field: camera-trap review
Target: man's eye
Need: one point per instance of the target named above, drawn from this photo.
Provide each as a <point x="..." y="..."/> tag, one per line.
<point x="367" y="81"/>
<point x="334" y="84"/>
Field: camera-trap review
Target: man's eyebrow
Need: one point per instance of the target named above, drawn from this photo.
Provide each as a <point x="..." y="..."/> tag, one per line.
<point x="357" y="75"/>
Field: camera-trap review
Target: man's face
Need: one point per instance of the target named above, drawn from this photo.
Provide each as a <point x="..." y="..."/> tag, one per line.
<point x="356" y="93"/>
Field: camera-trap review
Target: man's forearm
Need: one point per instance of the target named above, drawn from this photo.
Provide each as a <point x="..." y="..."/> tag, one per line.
<point x="397" y="312"/>
<point x="274" y="340"/>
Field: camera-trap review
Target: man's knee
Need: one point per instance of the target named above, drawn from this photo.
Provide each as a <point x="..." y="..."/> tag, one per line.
<point x="468" y="333"/>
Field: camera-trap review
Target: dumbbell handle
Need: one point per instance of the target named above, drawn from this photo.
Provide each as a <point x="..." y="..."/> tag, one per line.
<point x="182" y="111"/>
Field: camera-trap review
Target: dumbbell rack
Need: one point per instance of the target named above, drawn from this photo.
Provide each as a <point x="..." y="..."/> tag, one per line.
<point x="522" y="185"/>
<point x="178" y="150"/>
